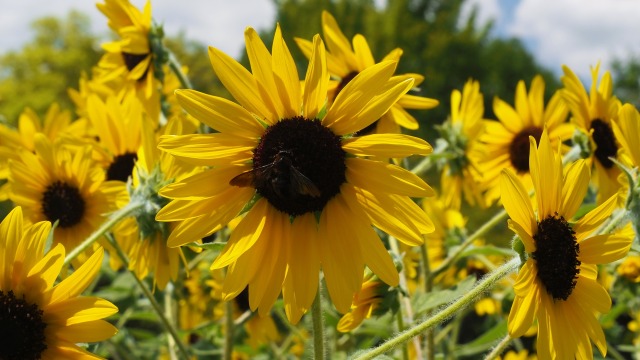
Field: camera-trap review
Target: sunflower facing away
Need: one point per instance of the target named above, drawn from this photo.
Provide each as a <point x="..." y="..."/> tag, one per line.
<point x="506" y="142"/>
<point x="37" y="319"/>
<point x="593" y="114"/>
<point x="314" y="197"/>
<point x="557" y="284"/>
<point x="345" y="62"/>
<point x="62" y="183"/>
<point x="131" y="56"/>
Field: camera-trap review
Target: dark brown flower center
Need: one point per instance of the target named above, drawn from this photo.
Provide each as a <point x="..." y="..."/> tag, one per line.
<point x="605" y="142"/>
<point x="62" y="201"/>
<point x="519" y="148"/>
<point x="121" y="167"/>
<point x="22" y="335"/>
<point x="132" y="60"/>
<point x="298" y="165"/>
<point x="556" y="256"/>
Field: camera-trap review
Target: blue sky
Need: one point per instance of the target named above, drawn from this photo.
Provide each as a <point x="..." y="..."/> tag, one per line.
<point x="578" y="33"/>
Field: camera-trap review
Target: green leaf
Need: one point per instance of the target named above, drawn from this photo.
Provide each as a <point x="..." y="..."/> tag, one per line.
<point x="215" y="246"/>
<point x="485" y="342"/>
<point x="424" y="302"/>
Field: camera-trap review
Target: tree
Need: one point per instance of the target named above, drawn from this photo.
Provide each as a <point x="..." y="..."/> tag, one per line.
<point x="40" y="73"/>
<point x="626" y="79"/>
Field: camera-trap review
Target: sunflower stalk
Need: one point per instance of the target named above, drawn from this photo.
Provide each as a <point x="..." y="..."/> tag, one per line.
<point x="113" y="219"/>
<point x="495" y="220"/>
<point x="154" y="304"/>
<point x="428" y="286"/>
<point x="499" y="348"/>
<point x="176" y="67"/>
<point x="229" y="330"/>
<point x="482" y="286"/>
<point x="318" y="325"/>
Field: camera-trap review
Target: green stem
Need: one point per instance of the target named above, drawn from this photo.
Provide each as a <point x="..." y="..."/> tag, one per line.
<point x="406" y="311"/>
<point x="484" y="285"/>
<point x="428" y="285"/>
<point x="423" y="166"/>
<point x="318" y="326"/>
<point x="156" y="307"/>
<point x="229" y="330"/>
<point x="495" y="220"/>
<point x="168" y="310"/>
<point x="113" y="219"/>
<point x="498" y="349"/>
<point x="175" y="66"/>
<point x="620" y="217"/>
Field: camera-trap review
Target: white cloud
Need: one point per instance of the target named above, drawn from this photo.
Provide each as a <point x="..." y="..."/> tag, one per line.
<point x="487" y="10"/>
<point x="578" y="33"/>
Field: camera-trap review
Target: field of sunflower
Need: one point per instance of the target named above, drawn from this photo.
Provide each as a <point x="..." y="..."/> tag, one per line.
<point x="293" y="219"/>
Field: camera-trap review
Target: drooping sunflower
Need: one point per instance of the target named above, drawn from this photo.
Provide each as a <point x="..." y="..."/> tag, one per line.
<point x="142" y="237"/>
<point x="345" y="62"/>
<point x="506" y="142"/>
<point x="460" y="175"/>
<point x="373" y="299"/>
<point x="65" y="184"/>
<point x="626" y="129"/>
<point x="37" y="319"/>
<point x="557" y="285"/>
<point x="315" y="198"/>
<point x="593" y="114"/>
<point x="131" y="57"/>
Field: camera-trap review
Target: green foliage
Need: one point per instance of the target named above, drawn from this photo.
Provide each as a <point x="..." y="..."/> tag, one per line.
<point x="626" y="79"/>
<point x="40" y="73"/>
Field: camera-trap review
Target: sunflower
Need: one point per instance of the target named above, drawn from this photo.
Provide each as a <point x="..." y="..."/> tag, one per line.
<point x="314" y="198"/>
<point x="593" y="115"/>
<point x="345" y="62"/>
<point x="557" y="285"/>
<point x="375" y="298"/>
<point x="626" y="129"/>
<point x="56" y="123"/>
<point x="64" y="184"/>
<point x="460" y="175"/>
<point x="37" y="319"/>
<point x="506" y="143"/>
<point x="141" y="237"/>
<point x="131" y="57"/>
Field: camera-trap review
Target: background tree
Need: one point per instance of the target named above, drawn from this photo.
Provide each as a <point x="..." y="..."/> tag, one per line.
<point x="626" y="79"/>
<point x="40" y="73"/>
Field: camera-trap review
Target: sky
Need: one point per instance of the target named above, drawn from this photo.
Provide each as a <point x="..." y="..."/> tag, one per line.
<point x="578" y="33"/>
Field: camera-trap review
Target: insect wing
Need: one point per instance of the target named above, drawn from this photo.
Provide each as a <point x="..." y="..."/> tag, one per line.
<point x="253" y="177"/>
<point x="303" y="185"/>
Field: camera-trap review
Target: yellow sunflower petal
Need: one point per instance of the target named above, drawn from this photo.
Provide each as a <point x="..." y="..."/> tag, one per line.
<point x="592" y="295"/>
<point x="245" y="234"/>
<point x="203" y="185"/>
<point x="358" y="93"/>
<point x="10" y="232"/>
<point x="603" y="249"/>
<point x="208" y="149"/>
<point x="337" y="43"/>
<point x="507" y="115"/>
<point x="523" y="311"/>
<point x="31" y="247"/>
<point x="92" y="331"/>
<point x="522" y="103"/>
<point x="386" y="145"/>
<point x="68" y="350"/>
<point x="79" y="310"/>
<point x="594" y="218"/>
<point x="376" y="176"/>
<point x="241" y="272"/>
<point x="377" y="208"/>
<point x="304" y="259"/>
<point x="583" y="316"/>
<point x="45" y="272"/>
<point x="261" y="68"/>
<point x="417" y="102"/>
<point x="78" y="281"/>
<point x="342" y="269"/>
<point x="527" y="239"/>
<point x="222" y="209"/>
<point x="374" y="109"/>
<point x="574" y="188"/>
<point x="220" y="114"/>
<point x="517" y="202"/>
<point x="526" y="279"/>
<point x="364" y="57"/>
<point x="286" y="76"/>
<point x="316" y="81"/>
<point x="240" y="83"/>
<point x="549" y="177"/>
